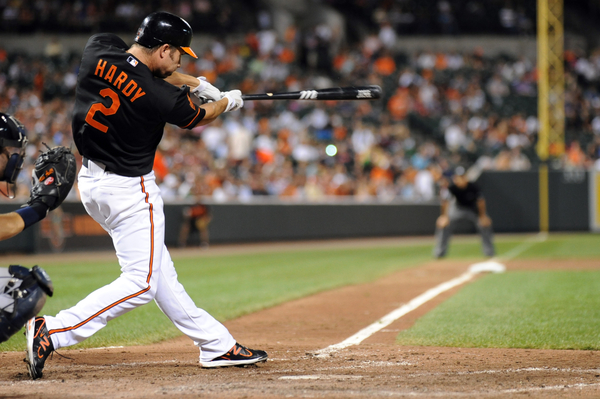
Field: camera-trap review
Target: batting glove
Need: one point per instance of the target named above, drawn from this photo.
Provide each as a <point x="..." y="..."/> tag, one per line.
<point x="234" y="98"/>
<point x="205" y="91"/>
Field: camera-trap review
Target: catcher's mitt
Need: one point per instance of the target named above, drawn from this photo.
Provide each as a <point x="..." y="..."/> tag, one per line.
<point x="53" y="177"/>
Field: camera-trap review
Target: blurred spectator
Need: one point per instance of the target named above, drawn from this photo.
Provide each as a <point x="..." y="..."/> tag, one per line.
<point x="575" y="158"/>
<point x="196" y="219"/>
<point x="424" y="185"/>
<point x="508" y="18"/>
<point x="446" y="19"/>
<point x="497" y="89"/>
<point x="93" y="15"/>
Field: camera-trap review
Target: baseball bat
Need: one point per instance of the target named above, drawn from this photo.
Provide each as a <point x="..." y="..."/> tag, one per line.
<point x="371" y="92"/>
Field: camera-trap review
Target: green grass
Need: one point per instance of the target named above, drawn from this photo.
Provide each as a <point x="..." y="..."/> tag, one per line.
<point x="533" y="308"/>
<point x="225" y="286"/>
<point x="564" y="246"/>
<point x="546" y="310"/>
<point x="556" y="246"/>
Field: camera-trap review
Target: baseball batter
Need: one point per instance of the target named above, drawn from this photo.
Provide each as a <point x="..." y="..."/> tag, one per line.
<point x="124" y="98"/>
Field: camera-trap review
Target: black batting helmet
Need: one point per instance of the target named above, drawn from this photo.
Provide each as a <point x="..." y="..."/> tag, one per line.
<point x="12" y="134"/>
<point x="165" y="28"/>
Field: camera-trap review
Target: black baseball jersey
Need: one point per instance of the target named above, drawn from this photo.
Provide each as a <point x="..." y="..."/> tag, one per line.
<point x="121" y="108"/>
<point x="466" y="197"/>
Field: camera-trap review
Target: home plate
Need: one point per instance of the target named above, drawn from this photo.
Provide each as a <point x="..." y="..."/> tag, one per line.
<point x="488" y="266"/>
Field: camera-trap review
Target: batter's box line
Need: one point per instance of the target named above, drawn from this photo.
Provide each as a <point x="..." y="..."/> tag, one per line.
<point x="486" y="392"/>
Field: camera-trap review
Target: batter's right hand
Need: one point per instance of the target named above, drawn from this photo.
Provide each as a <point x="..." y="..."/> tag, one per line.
<point x="442" y="221"/>
<point x="234" y="98"/>
<point x="206" y="91"/>
<point x="485" y="221"/>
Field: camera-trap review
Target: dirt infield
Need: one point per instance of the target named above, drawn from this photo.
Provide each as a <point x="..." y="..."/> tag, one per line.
<point x="291" y="333"/>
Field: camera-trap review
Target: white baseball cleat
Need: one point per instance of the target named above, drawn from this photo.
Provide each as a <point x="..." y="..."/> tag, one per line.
<point x="39" y="346"/>
<point x="237" y="356"/>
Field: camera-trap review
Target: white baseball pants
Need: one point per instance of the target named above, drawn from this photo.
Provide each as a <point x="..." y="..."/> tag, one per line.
<point x="130" y="209"/>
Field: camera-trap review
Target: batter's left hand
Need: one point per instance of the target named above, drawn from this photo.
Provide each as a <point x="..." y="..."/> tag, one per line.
<point x="234" y="98"/>
<point x="206" y="91"/>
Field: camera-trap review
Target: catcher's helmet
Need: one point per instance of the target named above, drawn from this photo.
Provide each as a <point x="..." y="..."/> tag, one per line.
<point x="22" y="295"/>
<point x="12" y="134"/>
<point x="165" y="28"/>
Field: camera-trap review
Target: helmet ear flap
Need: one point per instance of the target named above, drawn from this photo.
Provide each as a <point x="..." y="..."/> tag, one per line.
<point x="12" y="134"/>
<point x="13" y="167"/>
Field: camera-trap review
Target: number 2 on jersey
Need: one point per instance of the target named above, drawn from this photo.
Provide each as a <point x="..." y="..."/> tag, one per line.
<point x="99" y="107"/>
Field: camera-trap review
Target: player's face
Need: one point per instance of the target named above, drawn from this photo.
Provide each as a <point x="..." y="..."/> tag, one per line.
<point x="175" y="55"/>
<point x="460" y="181"/>
<point x="170" y="61"/>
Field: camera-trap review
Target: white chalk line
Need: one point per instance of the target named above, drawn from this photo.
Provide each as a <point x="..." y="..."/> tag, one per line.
<point x="551" y="387"/>
<point x="106" y="347"/>
<point x="487" y="392"/>
<point x="370" y="364"/>
<point x="549" y="370"/>
<point x="396" y="314"/>
<point x="321" y="377"/>
<point x="429" y="393"/>
<point x="429" y="295"/>
<point x="412" y="374"/>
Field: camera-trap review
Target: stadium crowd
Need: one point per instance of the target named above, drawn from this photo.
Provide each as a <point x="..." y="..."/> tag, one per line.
<point x="218" y="17"/>
<point x="438" y="110"/>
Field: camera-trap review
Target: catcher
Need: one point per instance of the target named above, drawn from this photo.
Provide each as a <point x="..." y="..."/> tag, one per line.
<point x="23" y="291"/>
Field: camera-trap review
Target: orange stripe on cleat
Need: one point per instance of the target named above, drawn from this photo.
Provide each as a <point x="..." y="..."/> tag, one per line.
<point x="39" y="329"/>
<point x="43" y="345"/>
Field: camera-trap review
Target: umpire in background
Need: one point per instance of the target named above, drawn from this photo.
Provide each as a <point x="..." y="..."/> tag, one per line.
<point x="462" y="200"/>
